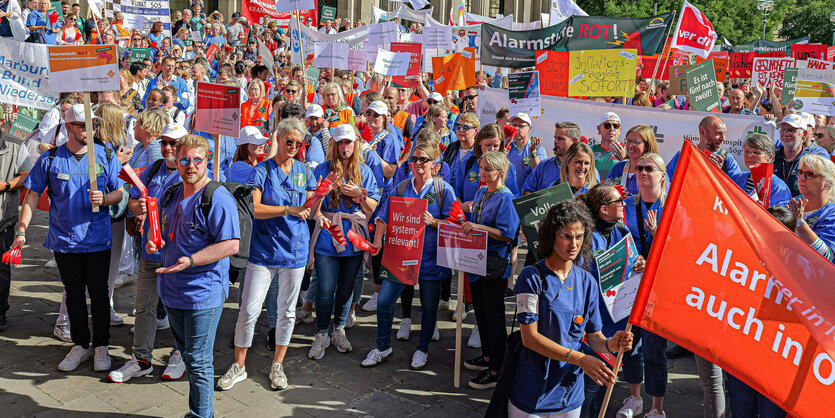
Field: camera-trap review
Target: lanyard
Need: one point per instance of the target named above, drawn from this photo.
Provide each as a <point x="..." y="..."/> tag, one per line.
<point x="479" y="206"/>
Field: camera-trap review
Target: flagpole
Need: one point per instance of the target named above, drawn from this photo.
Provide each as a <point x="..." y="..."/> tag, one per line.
<point x="665" y="53"/>
<point x="91" y="147"/>
<point x="615" y="372"/>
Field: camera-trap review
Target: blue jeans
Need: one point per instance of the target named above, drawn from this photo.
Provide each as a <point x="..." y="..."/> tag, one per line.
<point x="633" y="372"/>
<point x="336" y="284"/>
<point x="194" y="335"/>
<point x="430" y="293"/>
<point x="747" y="402"/>
<point x="269" y="303"/>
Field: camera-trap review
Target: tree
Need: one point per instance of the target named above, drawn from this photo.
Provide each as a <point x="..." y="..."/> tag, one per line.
<point x="809" y="17"/>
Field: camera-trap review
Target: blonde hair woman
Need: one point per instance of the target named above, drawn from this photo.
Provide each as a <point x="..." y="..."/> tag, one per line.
<point x="578" y="168"/>
<point x="640" y="139"/>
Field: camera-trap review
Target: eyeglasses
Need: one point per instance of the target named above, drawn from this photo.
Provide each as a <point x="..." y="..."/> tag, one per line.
<point x="645" y="168"/>
<point x="465" y="98"/>
<point x="636" y="143"/>
<point x="171" y="143"/>
<point x="608" y="125"/>
<point x="419" y="160"/>
<point x="294" y="144"/>
<point x="617" y="201"/>
<point x="185" y="161"/>
<point x="808" y="175"/>
<point x="465" y="128"/>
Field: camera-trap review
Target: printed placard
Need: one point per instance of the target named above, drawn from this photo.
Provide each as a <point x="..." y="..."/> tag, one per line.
<point x="403" y="246"/>
<point x="523" y="92"/>
<point x="83" y="68"/>
<point x="618" y="282"/>
<point x="460" y="251"/>
<point x="532" y="209"/>
<point x="815" y="92"/>
<point x="218" y="109"/>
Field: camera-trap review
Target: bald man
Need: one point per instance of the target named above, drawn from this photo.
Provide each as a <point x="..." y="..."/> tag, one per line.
<point x="712" y="132"/>
<point x="736" y="98"/>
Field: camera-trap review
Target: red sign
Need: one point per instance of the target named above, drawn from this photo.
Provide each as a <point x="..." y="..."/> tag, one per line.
<point x="256" y="10"/>
<point x="415" y="50"/>
<point x="756" y="299"/>
<point x="830" y="53"/>
<point x="770" y="70"/>
<point x="741" y="63"/>
<point x="553" y="72"/>
<point x="720" y="64"/>
<point x="648" y="64"/>
<point x="218" y="109"/>
<point x="806" y="51"/>
<point x="403" y="245"/>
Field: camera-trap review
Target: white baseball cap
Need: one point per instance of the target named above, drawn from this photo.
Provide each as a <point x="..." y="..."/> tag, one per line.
<point x="379" y="108"/>
<point x="314" y="110"/>
<point x="76" y="114"/>
<point x="809" y="118"/>
<point x="344" y="131"/>
<point x="794" y="120"/>
<point x="435" y="96"/>
<point x="609" y="117"/>
<point x="173" y="131"/>
<point x="524" y="116"/>
<point x="251" y="135"/>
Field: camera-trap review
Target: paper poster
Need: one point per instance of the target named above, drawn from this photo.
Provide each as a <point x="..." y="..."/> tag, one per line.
<point x="139" y="54"/>
<point x="789" y="82"/>
<point x="740" y="64"/>
<point x="817" y="64"/>
<point x="815" y="92"/>
<point x="382" y="34"/>
<point x="83" y="68"/>
<point x="331" y="55"/>
<point x="553" y="72"/>
<point x="523" y="92"/>
<point x="806" y="51"/>
<point x="532" y="209"/>
<point x="437" y="37"/>
<point x="411" y="79"/>
<point x="490" y="101"/>
<point x="768" y="70"/>
<point x="678" y="79"/>
<point x="403" y="246"/>
<point x="459" y="251"/>
<point x="618" y="282"/>
<point x="23" y="126"/>
<point x="391" y="63"/>
<point x="218" y="109"/>
<point x="357" y="60"/>
<point x="701" y="82"/>
<point x="603" y="72"/>
<point x="266" y="55"/>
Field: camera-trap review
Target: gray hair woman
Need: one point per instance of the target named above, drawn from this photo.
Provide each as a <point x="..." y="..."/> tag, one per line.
<point x="815" y="208"/>
<point x="759" y="149"/>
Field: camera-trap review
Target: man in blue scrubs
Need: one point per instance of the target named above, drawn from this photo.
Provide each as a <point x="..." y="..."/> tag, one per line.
<point x="80" y="238"/>
<point x="195" y="249"/>
<point x="547" y="172"/>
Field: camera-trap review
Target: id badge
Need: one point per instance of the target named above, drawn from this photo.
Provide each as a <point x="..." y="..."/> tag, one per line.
<point x="62" y="176"/>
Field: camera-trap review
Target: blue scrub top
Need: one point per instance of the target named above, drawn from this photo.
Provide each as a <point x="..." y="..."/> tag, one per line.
<point x="499" y="213"/>
<point x="144" y="156"/>
<point x="466" y="184"/>
<point x="545" y="174"/>
<point x="324" y="244"/>
<point x="542" y="385"/>
<point x="822" y="222"/>
<point x="780" y="194"/>
<point x="73" y="226"/>
<point x="156" y="188"/>
<point x="457" y="161"/>
<point x="388" y="149"/>
<point x="282" y="241"/>
<point x="730" y="167"/>
<point x="616" y="175"/>
<point x="375" y="163"/>
<point x="403" y="172"/>
<point x="239" y="172"/>
<point x="631" y="219"/>
<point x="787" y="170"/>
<point x="429" y="270"/>
<point x="521" y="160"/>
<point x="186" y="231"/>
<point x="315" y="151"/>
<point x="37" y="18"/>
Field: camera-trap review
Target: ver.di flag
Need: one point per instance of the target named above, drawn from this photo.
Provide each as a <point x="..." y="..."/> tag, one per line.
<point x="694" y="33"/>
<point x="755" y="298"/>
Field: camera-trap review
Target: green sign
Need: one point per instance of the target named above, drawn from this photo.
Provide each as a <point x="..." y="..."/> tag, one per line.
<point x="23" y="126"/>
<point x="789" y="82"/>
<point x="328" y="13"/>
<point x="532" y="209"/>
<point x="312" y="75"/>
<point x="139" y="54"/>
<point x="701" y="83"/>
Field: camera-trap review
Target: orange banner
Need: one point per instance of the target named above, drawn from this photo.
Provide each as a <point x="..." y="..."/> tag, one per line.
<point x="553" y="72"/>
<point x="454" y="71"/>
<point x="731" y="283"/>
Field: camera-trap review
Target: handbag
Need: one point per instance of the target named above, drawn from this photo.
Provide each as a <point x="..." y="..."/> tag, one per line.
<point x="35" y="38"/>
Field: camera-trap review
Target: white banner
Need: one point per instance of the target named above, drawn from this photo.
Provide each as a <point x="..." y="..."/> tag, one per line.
<point x="490" y="101"/>
<point x="331" y="55"/>
<point x="378" y="15"/>
<point x="463" y="37"/>
<point x="563" y="9"/>
<point x="406" y="13"/>
<point x="392" y="63"/>
<point x="382" y="34"/>
<point x="671" y="127"/>
<point x="25" y="74"/>
<point x="310" y="37"/>
<point x="357" y="60"/>
<point x="293" y="5"/>
<point x="141" y="14"/>
<point x="437" y="37"/>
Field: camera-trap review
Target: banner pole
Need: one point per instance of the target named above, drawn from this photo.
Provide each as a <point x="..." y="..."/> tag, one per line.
<point x="91" y="147"/>
<point x="665" y="53"/>
<point x="612" y="387"/>
<point x="459" y="311"/>
<point x="216" y="158"/>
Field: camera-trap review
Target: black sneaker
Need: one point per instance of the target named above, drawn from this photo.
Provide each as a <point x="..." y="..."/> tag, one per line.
<point x="678" y="352"/>
<point x="484" y="380"/>
<point x="509" y="293"/>
<point x="271" y="340"/>
<point x="4" y="322"/>
<point x="477" y="363"/>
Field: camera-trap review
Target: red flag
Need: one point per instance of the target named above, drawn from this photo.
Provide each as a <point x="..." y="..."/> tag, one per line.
<point x="731" y="283"/>
<point x="694" y="33"/>
<point x="761" y="174"/>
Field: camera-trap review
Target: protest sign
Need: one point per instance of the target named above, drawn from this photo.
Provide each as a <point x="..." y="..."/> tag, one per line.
<point x="733" y="297"/>
<point x="768" y="70"/>
<point x="139" y="54"/>
<point x="649" y="63"/>
<point x="406" y="13"/>
<point x="789" y="82"/>
<point x="605" y="72"/>
<point x="391" y="63"/>
<point x="618" y="282"/>
<point x="410" y="37"/>
<point x="403" y="246"/>
<point x="23" y="126"/>
<point x="331" y="55"/>
<point x="815" y="92"/>
<point x="25" y="74"/>
<point x="523" y="92"/>
<point x="294" y="5"/>
<point x="553" y="72"/>
<point x="83" y="68"/>
<point x="806" y="51"/>
<point x="761" y="45"/>
<point x="310" y="37"/>
<point x="740" y="64"/>
<point x="263" y="11"/>
<point x="455" y="71"/>
<point x="411" y="79"/>
<point x="357" y="60"/>
<point x="217" y="110"/>
<point x="490" y="101"/>
<point x="678" y="79"/>
<point x="266" y="55"/>
<point x="701" y="84"/>
<point x="532" y="209"/>
<point x="382" y="34"/>
<point x="328" y="13"/>
<point x="817" y="64"/>
<point x="378" y="15"/>
<point x="459" y="251"/>
<point x="141" y="14"/>
<point x="196" y="36"/>
<point x="437" y="37"/>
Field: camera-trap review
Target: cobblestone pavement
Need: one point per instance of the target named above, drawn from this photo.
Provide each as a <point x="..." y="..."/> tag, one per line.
<point x="31" y="385"/>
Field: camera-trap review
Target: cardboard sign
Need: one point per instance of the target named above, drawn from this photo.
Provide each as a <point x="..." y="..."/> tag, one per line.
<point x="403" y="246"/>
<point x="678" y="79"/>
<point x="139" y="54"/>
<point x="391" y="63"/>
<point x="815" y="92"/>
<point x="768" y="70"/>
<point x="331" y="55"/>
<point x="328" y="13"/>
<point x="701" y="84"/>
<point x="618" y="282"/>
<point x="532" y="209"/>
<point x="806" y="51"/>
<point x="410" y="80"/>
<point x="83" y="68"/>
<point x="523" y="92"/>
<point x="460" y="251"/>
<point x="553" y="72"/>
<point x="218" y="109"/>
<point x="23" y="126"/>
<point x="603" y="72"/>
<point x="817" y="64"/>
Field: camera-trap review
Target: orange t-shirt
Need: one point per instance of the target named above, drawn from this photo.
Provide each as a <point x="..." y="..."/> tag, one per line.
<point x="256" y="117"/>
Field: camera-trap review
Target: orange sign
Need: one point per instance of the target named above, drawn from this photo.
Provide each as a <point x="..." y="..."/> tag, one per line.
<point x="553" y="72"/>
<point x="731" y="283"/>
<point x="454" y="71"/>
<point x="83" y="68"/>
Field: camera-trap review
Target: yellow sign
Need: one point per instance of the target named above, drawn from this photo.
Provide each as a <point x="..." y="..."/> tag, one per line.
<point x="602" y="72"/>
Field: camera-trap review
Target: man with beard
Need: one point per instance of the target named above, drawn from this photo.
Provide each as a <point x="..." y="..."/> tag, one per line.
<point x="712" y="132"/>
<point x="547" y="172"/>
<point x="792" y="130"/>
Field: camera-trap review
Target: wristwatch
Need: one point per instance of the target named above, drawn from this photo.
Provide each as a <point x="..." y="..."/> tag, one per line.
<point x="7" y="187"/>
<point x="190" y="261"/>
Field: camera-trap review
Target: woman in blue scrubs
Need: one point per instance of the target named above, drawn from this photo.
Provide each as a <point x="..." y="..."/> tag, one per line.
<point x="489" y="138"/>
<point x="421" y="186"/>
<point x="557" y="305"/>
<point x="815" y="209"/>
<point x="346" y="207"/>
<point x="759" y="149"/>
<point x="578" y="168"/>
<point x="640" y="139"/>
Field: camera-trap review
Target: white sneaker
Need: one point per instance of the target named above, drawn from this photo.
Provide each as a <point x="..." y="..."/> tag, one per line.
<point x="463" y="315"/>
<point x="340" y="340"/>
<point x="405" y="329"/>
<point x="278" y="380"/>
<point x="371" y="305"/>
<point x="115" y="319"/>
<point x="232" y="376"/>
<point x="437" y="335"/>
<point x="303" y="316"/>
<point x="320" y="343"/>
<point x="443" y="305"/>
<point x="419" y="360"/>
<point x="62" y="332"/>
<point x="632" y="407"/>
<point x="352" y="317"/>
<point x="133" y="330"/>
<point x="175" y="368"/>
<point x="101" y="361"/>
<point x="656" y="414"/>
<point x="131" y="369"/>
<point x="163" y="323"/>
<point x="375" y="357"/>
<point x="76" y="355"/>
<point x="51" y="264"/>
<point x="475" y="339"/>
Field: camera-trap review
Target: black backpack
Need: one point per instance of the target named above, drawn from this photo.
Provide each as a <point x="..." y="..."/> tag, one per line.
<point x="246" y="212"/>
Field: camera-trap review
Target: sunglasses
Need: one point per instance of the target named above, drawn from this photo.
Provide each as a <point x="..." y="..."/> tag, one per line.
<point x="291" y="91"/>
<point x="808" y="175"/>
<point x="644" y="168"/>
<point x="370" y="114"/>
<point x="618" y="201"/>
<point x="608" y="125"/>
<point x="819" y="136"/>
<point x="431" y="102"/>
<point x="294" y="144"/>
<point x="185" y="161"/>
<point x="78" y="124"/>
<point x="419" y="160"/>
<point x="169" y="144"/>
<point x="465" y="98"/>
<point x="465" y="128"/>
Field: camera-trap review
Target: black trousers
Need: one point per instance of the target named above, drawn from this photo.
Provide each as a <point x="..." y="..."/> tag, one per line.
<point x="6" y="238"/>
<point x="86" y="274"/>
<point x="488" y="303"/>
